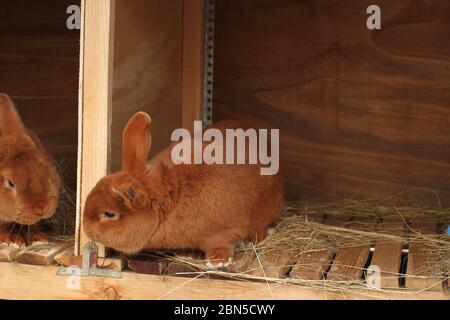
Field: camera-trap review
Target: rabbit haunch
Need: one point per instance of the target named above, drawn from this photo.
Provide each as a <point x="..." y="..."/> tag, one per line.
<point x="235" y="148"/>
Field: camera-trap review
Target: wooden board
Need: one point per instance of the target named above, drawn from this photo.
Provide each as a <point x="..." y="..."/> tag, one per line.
<point x="8" y="253"/>
<point x="37" y="52"/>
<point x="423" y="259"/>
<point x="148" y="69"/>
<point x="337" y="220"/>
<point x="41" y="283"/>
<point x="361" y="112"/>
<point x="176" y="268"/>
<point x="41" y="255"/>
<point x="388" y="253"/>
<point x="68" y="259"/>
<point x="423" y="228"/>
<point x="393" y="226"/>
<point x="350" y="259"/>
<point x="422" y="272"/>
<point x="96" y="77"/>
<point x="272" y="264"/>
<point x="348" y="265"/>
<point x="193" y="70"/>
<point x="146" y="266"/>
<point x="312" y="265"/>
<point x="364" y="223"/>
<point x="388" y="258"/>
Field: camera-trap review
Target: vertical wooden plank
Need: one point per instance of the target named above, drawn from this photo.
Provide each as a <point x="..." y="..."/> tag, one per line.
<point x="95" y="101"/>
<point x="388" y="253"/>
<point x="350" y="260"/>
<point x="349" y="263"/>
<point x="312" y="265"/>
<point x="193" y="70"/>
<point x="423" y="272"/>
<point x="388" y="257"/>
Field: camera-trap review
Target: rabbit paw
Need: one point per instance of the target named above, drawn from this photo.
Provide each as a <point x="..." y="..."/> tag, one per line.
<point x="189" y="254"/>
<point x="219" y="258"/>
<point x="21" y="237"/>
<point x="219" y="265"/>
<point x="12" y="238"/>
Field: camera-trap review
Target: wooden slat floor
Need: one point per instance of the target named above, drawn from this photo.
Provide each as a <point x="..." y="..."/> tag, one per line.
<point x="384" y="264"/>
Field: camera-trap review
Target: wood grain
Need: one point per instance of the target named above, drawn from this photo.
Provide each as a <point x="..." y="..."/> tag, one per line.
<point x="388" y="257"/>
<point x="41" y="283"/>
<point x="8" y="253"/>
<point x="388" y="253"/>
<point x="337" y="220"/>
<point x="350" y="260"/>
<point x="361" y="112"/>
<point x="423" y="272"/>
<point x="193" y="54"/>
<point x="39" y="60"/>
<point x="41" y="255"/>
<point x="272" y="264"/>
<point x="148" y="73"/>
<point x="348" y="265"/>
<point x="68" y="259"/>
<point x="96" y="102"/>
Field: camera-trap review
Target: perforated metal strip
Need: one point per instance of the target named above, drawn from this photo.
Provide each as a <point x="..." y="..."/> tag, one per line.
<point x="209" y="63"/>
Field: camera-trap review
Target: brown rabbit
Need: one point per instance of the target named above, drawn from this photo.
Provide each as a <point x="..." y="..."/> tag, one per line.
<point x="180" y="207"/>
<point x="29" y="182"/>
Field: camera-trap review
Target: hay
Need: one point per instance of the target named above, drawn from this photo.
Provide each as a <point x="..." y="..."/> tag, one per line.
<point x="61" y="227"/>
<point x="296" y="231"/>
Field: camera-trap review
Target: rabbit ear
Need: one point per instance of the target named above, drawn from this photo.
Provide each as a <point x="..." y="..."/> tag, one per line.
<point x="10" y="121"/>
<point x="133" y="196"/>
<point x="136" y="143"/>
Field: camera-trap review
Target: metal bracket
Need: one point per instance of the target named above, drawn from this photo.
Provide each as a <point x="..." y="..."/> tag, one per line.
<point x="209" y="63"/>
<point x="89" y="266"/>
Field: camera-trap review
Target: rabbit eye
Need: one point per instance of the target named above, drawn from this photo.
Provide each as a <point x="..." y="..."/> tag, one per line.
<point x="10" y="184"/>
<point x="109" y="216"/>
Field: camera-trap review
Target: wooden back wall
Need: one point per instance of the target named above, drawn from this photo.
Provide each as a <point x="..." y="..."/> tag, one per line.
<point x="361" y="112"/>
<point x="39" y="62"/>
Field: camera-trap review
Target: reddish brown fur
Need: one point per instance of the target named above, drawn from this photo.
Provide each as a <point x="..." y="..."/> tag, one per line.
<point x="180" y="207"/>
<point x="23" y="161"/>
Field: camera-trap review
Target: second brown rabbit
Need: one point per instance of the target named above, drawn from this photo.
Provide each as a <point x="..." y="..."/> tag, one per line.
<point x="160" y="205"/>
<point x="29" y="181"/>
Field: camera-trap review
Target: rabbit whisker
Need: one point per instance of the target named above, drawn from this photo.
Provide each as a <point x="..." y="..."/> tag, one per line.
<point x="12" y="229"/>
<point x="18" y="233"/>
